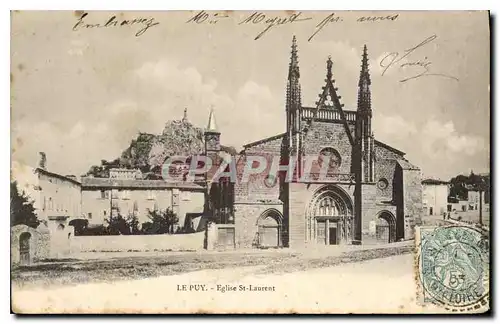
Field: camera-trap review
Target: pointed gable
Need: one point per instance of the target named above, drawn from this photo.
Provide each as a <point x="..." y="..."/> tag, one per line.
<point x="330" y="100"/>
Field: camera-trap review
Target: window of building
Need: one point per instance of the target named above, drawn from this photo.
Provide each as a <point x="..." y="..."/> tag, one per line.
<point x="151" y="195"/>
<point x="104" y="194"/>
<point x="431" y="211"/>
<point x="89" y="215"/>
<point x="104" y="212"/>
<point x="382" y="183"/>
<point x="185" y="196"/>
<point x="125" y="194"/>
<point x="332" y="157"/>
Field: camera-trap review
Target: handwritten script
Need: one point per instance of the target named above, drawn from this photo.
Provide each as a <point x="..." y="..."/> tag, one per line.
<point x="266" y="20"/>
<point x="113" y="22"/>
<point x="273" y="21"/>
<point x="417" y="67"/>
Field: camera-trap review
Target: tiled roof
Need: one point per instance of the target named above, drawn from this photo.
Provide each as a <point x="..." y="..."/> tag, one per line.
<point x="56" y="175"/>
<point x="88" y="182"/>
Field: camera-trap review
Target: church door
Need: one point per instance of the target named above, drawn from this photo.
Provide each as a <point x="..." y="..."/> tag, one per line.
<point x="333" y="236"/>
<point x="269" y="229"/>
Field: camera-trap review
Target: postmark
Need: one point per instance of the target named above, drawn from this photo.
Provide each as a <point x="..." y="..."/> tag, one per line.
<point x="453" y="267"/>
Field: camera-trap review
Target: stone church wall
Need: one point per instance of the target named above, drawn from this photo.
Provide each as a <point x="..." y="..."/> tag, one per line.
<point x="246" y="217"/>
<point x="384" y="169"/>
<point x="412" y="197"/>
<point x="324" y="134"/>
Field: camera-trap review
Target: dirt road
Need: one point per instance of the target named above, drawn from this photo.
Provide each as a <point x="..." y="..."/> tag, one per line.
<point x="380" y="285"/>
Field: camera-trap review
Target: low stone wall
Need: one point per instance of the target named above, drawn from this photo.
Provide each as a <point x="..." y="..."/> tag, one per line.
<point x="137" y="243"/>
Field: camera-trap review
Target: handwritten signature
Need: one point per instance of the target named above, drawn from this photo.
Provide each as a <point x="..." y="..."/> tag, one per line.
<point x="421" y="67"/>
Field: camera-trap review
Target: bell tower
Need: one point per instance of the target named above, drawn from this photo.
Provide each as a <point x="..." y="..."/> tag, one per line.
<point x="212" y="135"/>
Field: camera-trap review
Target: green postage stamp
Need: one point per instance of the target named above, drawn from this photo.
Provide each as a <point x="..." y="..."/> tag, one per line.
<point x="453" y="268"/>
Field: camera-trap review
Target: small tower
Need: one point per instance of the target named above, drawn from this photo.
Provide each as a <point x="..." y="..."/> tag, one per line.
<point x="212" y="140"/>
<point x="212" y="134"/>
<point x="185" y="117"/>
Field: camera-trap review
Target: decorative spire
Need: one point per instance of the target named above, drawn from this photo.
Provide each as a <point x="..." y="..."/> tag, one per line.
<point x="329" y="64"/>
<point x="212" y="125"/>
<point x="364" y="94"/>
<point x="365" y="72"/>
<point x="294" y="61"/>
<point x="293" y="87"/>
<point x="185" y="118"/>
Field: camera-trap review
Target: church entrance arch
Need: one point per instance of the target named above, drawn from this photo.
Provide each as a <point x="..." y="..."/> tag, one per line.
<point x="270" y="228"/>
<point x="386" y="227"/>
<point x="330" y="216"/>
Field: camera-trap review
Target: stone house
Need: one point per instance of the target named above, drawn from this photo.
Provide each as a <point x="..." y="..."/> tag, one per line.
<point x="435" y="196"/>
<point x="102" y="197"/>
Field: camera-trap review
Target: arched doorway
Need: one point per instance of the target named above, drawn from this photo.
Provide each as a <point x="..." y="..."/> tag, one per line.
<point x="270" y="228"/>
<point x="330" y="217"/>
<point x="24" y="248"/>
<point x="386" y="227"/>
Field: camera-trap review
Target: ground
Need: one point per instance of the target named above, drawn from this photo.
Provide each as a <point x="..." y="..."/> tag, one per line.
<point x="106" y="267"/>
<point x="379" y="285"/>
<point x="352" y="279"/>
<point x="468" y="216"/>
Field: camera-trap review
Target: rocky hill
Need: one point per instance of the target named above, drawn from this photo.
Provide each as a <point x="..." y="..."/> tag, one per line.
<point x="148" y="152"/>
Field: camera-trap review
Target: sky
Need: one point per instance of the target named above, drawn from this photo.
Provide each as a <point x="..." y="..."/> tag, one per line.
<point x="82" y="94"/>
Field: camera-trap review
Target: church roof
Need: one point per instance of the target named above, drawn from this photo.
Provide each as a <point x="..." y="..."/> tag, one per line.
<point x="390" y="148"/>
<point x="405" y="165"/>
<point x="264" y="140"/>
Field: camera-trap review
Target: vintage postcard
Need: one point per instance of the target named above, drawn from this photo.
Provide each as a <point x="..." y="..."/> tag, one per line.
<point x="268" y="162"/>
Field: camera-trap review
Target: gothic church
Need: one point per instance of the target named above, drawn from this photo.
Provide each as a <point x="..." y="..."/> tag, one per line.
<point x="371" y="192"/>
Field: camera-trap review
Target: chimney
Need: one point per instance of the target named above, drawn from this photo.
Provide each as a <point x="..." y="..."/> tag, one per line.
<point x="42" y="164"/>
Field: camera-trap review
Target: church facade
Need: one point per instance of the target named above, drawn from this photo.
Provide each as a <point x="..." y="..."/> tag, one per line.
<point x="369" y="191"/>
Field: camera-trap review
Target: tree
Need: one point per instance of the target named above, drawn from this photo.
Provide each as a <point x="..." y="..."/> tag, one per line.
<point x="21" y="208"/>
<point x="133" y="223"/>
<point x="117" y="225"/>
<point x="162" y="222"/>
<point x="458" y="187"/>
